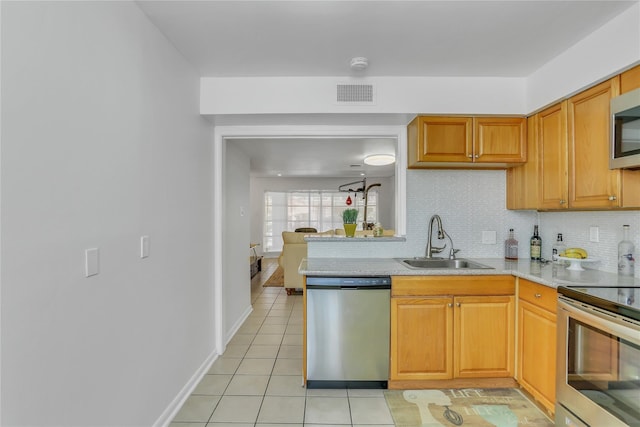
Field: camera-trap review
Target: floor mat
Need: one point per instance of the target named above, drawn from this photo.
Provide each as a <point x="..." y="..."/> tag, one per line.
<point x="276" y="279"/>
<point x="472" y="407"/>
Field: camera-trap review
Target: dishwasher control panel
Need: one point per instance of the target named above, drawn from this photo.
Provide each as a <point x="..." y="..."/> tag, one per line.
<point x="362" y="282"/>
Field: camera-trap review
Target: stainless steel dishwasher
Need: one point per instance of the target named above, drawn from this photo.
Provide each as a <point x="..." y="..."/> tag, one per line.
<point x="348" y="332"/>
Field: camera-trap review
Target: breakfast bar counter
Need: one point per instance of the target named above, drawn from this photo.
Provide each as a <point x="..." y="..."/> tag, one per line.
<point x="548" y="274"/>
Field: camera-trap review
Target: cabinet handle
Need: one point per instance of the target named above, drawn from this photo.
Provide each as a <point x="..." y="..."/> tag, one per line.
<point x="612" y="198"/>
<point x="450" y="305"/>
<point x="476" y="156"/>
<point x="562" y="202"/>
<point x="538" y="295"/>
<point x="470" y="156"/>
<point x="457" y="304"/>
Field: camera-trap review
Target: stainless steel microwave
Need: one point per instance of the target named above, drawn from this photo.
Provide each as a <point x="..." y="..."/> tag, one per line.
<point x="625" y="131"/>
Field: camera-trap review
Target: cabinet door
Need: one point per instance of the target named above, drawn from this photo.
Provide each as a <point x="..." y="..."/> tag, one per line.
<point x="522" y="181"/>
<point x="484" y="337"/>
<point x="444" y="139"/>
<point x="591" y="183"/>
<point x="500" y="140"/>
<point x="630" y="80"/>
<point x="421" y="344"/>
<point x="537" y="352"/>
<point x="552" y="156"/>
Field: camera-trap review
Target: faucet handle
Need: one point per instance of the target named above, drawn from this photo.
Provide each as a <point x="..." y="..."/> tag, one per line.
<point x="437" y="250"/>
<point x="453" y="252"/>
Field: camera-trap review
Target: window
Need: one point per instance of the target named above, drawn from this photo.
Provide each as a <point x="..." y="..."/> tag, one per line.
<point x="322" y="210"/>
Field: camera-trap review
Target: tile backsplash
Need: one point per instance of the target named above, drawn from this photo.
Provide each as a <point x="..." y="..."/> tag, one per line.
<point x="472" y="201"/>
<point x="469" y="202"/>
<point x="575" y="227"/>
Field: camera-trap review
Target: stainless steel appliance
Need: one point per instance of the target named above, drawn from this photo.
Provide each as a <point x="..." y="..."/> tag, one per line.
<point x="598" y="375"/>
<point x="625" y="131"/>
<point x="348" y="332"/>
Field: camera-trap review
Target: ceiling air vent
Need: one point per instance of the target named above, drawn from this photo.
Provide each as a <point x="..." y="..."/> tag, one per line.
<point x="354" y="94"/>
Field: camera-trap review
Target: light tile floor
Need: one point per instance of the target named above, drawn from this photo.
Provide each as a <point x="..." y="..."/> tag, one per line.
<point x="258" y="380"/>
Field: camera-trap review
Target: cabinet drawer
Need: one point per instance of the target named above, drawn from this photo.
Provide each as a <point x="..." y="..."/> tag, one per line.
<point x="538" y="295"/>
<point x="452" y="285"/>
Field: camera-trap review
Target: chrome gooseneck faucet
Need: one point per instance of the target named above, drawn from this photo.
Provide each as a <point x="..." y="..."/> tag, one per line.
<point x="441" y="235"/>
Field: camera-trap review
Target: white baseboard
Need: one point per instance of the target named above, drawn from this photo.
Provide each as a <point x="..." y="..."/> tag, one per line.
<point x="170" y="412"/>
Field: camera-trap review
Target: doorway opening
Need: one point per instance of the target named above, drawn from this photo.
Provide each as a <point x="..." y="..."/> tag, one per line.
<point x="232" y="214"/>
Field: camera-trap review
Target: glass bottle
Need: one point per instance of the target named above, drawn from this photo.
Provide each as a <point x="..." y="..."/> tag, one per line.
<point x="536" y="245"/>
<point x="557" y="248"/>
<point x="511" y="247"/>
<point x="626" y="254"/>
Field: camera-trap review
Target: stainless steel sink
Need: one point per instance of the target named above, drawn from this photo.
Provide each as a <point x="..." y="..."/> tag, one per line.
<point x="442" y="263"/>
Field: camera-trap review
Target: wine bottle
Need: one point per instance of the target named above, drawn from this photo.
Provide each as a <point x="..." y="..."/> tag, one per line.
<point x="511" y="247"/>
<point x="626" y="254"/>
<point x="557" y="248"/>
<point x="536" y="245"/>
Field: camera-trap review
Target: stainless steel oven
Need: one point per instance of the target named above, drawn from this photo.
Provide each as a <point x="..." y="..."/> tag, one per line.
<point x="598" y="371"/>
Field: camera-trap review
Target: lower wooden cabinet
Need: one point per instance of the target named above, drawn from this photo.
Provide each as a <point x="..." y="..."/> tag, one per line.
<point x="537" y="341"/>
<point x="484" y="337"/>
<point x="454" y="334"/>
<point x="422" y="338"/>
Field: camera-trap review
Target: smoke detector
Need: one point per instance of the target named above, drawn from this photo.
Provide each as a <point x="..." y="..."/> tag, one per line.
<point x="359" y="63"/>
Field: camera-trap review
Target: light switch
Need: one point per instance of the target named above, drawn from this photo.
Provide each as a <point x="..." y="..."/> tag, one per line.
<point x="144" y="246"/>
<point x="594" y="234"/>
<point x="489" y="237"/>
<point x="91" y="261"/>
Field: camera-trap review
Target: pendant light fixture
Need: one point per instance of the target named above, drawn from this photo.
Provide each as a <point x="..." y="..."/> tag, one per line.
<point x="379" y="159"/>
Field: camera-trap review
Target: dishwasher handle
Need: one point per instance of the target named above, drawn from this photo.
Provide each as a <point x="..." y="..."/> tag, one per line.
<point x="347" y="287"/>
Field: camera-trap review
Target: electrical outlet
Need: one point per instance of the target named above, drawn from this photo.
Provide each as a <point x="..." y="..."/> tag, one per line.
<point x="489" y="237"/>
<point x="594" y="234"/>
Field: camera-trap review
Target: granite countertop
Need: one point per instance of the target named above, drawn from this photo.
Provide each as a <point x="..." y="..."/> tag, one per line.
<point x="551" y="275"/>
<point x="344" y="239"/>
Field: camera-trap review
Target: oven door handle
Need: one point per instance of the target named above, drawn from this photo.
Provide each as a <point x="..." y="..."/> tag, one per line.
<point x="601" y="319"/>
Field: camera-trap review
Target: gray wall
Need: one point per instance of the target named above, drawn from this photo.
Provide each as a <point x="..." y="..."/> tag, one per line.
<point x="235" y="257"/>
<point x="102" y="142"/>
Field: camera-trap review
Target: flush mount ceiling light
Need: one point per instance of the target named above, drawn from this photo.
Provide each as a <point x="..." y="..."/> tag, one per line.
<point x="359" y="63"/>
<point x="379" y="159"/>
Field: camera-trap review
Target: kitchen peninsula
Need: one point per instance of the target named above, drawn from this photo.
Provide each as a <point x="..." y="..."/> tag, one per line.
<point x="489" y="327"/>
<point x="550" y="275"/>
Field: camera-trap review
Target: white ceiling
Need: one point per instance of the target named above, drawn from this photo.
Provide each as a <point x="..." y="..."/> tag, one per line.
<point x="400" y="38"/>
<point x="326" y="157"/>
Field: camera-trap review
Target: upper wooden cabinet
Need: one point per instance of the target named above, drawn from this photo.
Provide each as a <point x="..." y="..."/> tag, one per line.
<point x="630" y="80"/>
<point x="551" y="126"/>
<point x="466" y="142"/>
<point x="591" y="183"/>
<point x="522" y="181"/>
<point x="571" y="145"/>
<point x="500" y="140"/>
